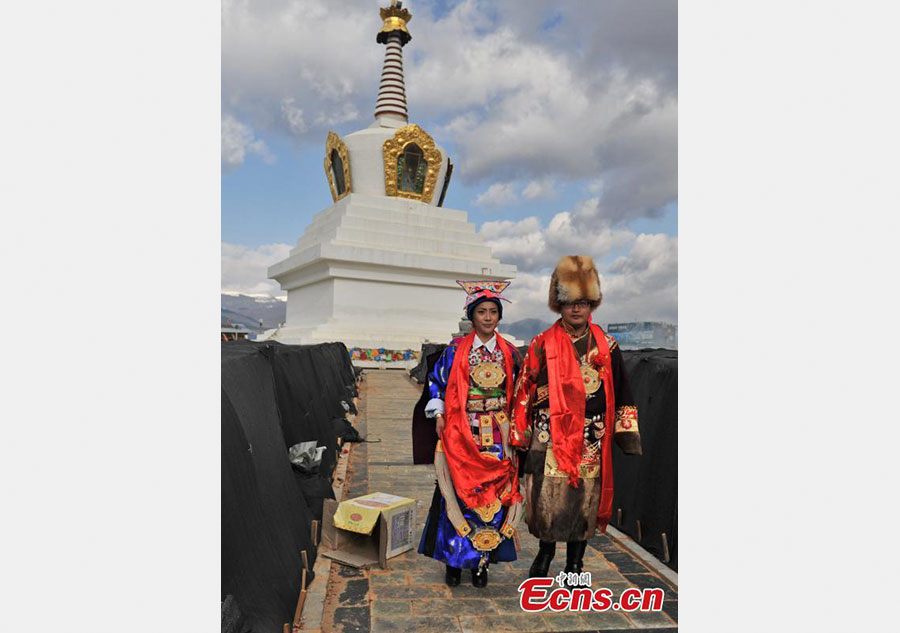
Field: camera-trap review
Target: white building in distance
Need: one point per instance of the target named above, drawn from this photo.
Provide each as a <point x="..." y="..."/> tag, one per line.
<point x="378" y="268"/>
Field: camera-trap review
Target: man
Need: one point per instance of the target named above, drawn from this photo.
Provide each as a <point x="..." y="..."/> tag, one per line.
<point x="571" y="397"/>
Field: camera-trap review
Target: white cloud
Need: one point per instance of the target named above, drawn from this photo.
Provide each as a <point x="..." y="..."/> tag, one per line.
<point x="592" y="97"/>
<point x="537" y="189"/>
<point x="533" y="247"/>
<point x="639" y="284"/>
<point x="505" y="193"/>
<point x="238" y="141"/>
<point x="528" y="296"/>
<point x="297" y="67"/>
<point x="497" y="195"/>
<point x="244" y="269"/>
<point x="523" y="103"/>
<point x="294" y="116"/>
<point x="643" y="285"/>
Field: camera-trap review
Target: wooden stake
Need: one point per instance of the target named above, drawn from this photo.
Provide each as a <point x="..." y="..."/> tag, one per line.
<point x="619" y="517"/>
<point x="315" y="531"/>
<point x="305" y="559"/>
<point x="300" y="600"/>
<point x="665" y="541"/>
<point x="639" y="530"/>
<point x="287" y="628"/>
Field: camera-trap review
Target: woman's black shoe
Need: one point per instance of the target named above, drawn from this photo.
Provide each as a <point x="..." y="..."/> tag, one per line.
<point x="479" y="577"/>
<point x="541" y="564"/>
<point x="452" y="576"/>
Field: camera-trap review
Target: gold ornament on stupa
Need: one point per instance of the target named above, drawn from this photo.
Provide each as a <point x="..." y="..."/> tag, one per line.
<point x="395" y="18"/>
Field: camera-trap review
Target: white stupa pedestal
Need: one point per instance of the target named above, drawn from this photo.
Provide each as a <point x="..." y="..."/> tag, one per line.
<point x="380" y="272"/>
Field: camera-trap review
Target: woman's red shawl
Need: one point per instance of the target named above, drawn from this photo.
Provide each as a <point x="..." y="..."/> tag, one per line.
<point x="479" y="478"/>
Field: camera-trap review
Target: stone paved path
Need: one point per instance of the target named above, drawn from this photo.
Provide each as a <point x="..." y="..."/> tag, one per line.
<point x="411" y="595"/>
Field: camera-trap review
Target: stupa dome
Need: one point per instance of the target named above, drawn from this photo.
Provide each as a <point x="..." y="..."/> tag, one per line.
<point x="391" y="157"/>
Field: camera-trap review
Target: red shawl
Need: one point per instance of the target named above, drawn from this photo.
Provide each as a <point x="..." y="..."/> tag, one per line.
<point x="567" y="397"/>
<point x="479" y="478"/>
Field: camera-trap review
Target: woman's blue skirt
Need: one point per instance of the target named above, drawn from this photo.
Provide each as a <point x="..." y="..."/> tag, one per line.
<point x="441" y="542"/>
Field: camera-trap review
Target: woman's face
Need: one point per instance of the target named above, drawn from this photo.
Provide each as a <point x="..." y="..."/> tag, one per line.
<point x="485" y="318"/>
<point x="576" y="314"/>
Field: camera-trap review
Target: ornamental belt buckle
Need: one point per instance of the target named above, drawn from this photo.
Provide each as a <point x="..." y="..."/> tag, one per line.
<point x="485" y="539"/>
<point x="488" y="375"/>
<point x="591" y="378"/>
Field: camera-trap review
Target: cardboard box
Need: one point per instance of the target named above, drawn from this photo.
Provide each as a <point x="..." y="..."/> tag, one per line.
<point x="368" y="530"/>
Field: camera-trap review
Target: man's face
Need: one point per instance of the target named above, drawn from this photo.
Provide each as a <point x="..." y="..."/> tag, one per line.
<point x="485" y="318"/>
<point x="576" y="314"/>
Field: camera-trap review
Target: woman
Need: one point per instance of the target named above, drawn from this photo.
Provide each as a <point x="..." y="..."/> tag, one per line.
<point x="571" y="396"/>
<point x="477" y="502"/>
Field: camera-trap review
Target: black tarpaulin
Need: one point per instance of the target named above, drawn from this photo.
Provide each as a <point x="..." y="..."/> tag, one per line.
<point x="420" y="371"/>
<point x="305" y="404"/>
<point x="646" y="487"/>
<point x="274" y="396"/>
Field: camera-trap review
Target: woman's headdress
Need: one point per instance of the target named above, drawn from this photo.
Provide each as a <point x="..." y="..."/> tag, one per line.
<point x="479" y="291"/>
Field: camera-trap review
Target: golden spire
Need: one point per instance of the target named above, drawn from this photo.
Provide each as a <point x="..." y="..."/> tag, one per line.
<point x="395" y="18"/>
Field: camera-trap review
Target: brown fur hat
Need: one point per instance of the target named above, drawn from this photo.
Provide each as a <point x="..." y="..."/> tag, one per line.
<point x="574" y="279"/>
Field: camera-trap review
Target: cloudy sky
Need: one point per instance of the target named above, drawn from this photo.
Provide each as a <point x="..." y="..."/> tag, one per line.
<point x="560" y="118"/>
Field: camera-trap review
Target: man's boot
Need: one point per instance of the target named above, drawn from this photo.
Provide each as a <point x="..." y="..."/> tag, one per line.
<point x="541" y="564"/>
<point x="575" y="558"/>
<point x="452" y="576"/>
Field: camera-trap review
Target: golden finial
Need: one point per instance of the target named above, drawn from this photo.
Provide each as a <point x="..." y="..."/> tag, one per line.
<point x="395" y="18"/>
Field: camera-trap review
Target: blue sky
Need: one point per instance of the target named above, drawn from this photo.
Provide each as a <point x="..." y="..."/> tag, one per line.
<point x="561" y="121"/>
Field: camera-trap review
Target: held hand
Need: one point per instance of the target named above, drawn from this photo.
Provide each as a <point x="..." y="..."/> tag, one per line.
<point x="439" y="425"/>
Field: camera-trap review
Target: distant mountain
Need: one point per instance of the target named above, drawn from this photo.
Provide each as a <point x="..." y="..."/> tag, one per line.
<point x="525" y="330"/>
<point x="249" y="311"/>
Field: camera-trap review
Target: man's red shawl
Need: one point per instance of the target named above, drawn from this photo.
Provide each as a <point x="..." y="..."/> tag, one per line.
<point x="479" y="478"/>
<point x="567" y="398"/>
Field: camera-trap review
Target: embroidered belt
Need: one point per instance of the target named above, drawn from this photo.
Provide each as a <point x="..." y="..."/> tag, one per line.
<point x="486" y="404"/>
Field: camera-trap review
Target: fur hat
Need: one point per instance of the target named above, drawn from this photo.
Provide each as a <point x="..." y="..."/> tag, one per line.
<point x="574" y="279"/>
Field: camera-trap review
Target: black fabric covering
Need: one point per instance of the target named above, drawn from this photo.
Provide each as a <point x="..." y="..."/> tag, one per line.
<point x="424" y="436"/>
<point x="232" y="618"/>
<point x="646" y="487"/>
<point x="346" y="431"/>
<point x="315" y="490"/>
<point x="274" y="396"/>
<point x="420" y="371"/>
<point x="306" y="399"/>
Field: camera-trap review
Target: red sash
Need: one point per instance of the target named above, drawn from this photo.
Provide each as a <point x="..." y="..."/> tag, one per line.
<point x="479" y="478"/>
<point x="567" y="397"/>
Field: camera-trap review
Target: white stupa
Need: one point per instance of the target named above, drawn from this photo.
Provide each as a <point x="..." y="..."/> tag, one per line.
<point x="378" y="268"/>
